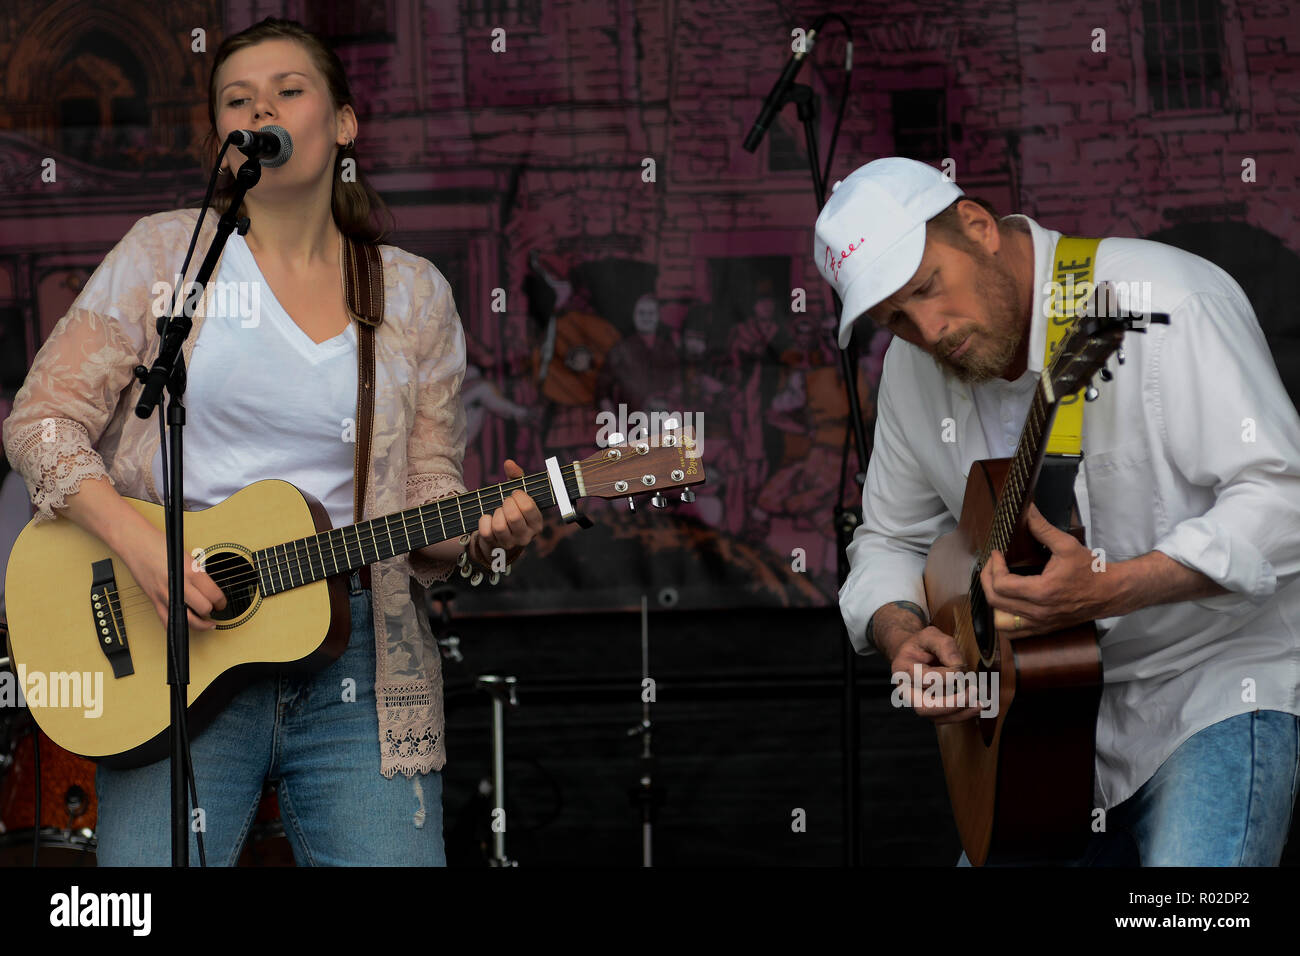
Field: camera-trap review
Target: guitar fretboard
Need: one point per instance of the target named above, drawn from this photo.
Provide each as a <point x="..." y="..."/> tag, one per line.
<point x="341" y="550"/>
<point x="1022" y="475"/>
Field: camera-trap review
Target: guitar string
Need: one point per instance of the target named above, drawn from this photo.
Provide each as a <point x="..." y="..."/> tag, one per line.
<point x="1038" y="413"/>
<point x="1039" y="410"/>
<point x="132" y="599"/>
<point x="129" y="603"/>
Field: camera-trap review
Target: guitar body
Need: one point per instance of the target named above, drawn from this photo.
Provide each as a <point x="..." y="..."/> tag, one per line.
<point x="53" y="631"/>
<point x="1020" y="783"/>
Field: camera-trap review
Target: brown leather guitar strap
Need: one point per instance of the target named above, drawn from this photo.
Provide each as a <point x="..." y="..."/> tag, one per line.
<point x="363" y="289"/>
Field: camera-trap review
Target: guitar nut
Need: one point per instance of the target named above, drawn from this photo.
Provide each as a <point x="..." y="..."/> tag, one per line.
<point x="677" y="474"/>
<point x="620" y="486"/>
<point x="647" y="480"/>
<point x="642" y="448"/>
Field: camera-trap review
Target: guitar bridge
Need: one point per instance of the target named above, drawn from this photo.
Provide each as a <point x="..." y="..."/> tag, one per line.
<point x="106" y="609"/>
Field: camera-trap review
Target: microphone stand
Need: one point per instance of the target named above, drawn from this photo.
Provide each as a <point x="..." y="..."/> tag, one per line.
<point x="645" y="794"/>
<point x="168" y="372"/>
<point x="846" y="520"/>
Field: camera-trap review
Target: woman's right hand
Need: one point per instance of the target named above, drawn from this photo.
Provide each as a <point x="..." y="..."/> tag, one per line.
<point x="145" y="554"/>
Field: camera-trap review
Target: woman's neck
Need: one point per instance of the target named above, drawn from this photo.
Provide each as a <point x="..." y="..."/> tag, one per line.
<point x="294" y="231"/>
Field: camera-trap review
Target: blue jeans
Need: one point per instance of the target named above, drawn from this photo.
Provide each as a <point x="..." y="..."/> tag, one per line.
<point x="1224" y="797"/>
<point x="321" y="749"/>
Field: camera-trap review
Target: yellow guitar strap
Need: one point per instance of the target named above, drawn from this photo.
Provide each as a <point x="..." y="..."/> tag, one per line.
<point x="1073" y="261"/>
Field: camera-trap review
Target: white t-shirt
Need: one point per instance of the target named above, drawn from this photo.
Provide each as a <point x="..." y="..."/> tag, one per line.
<point x="265" y="401"/>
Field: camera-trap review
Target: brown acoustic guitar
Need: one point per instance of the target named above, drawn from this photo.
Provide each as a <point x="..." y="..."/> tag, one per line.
<point x="88" y="642"/>
<point x="1020" y="782"/>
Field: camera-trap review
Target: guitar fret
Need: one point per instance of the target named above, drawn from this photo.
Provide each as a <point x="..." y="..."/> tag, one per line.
<point x="424" y="532"/>
<point x="291" y="564"/>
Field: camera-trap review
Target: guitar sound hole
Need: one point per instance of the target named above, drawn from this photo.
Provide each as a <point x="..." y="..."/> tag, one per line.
<point x="237" y="578"/>
<point x="981" y="622"/>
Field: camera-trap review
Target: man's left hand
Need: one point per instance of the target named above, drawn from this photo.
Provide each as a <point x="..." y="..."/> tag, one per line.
<point x="1067" y="592"/>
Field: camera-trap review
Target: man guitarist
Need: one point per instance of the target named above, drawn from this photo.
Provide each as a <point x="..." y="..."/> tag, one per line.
<point x="1189" y="488"/>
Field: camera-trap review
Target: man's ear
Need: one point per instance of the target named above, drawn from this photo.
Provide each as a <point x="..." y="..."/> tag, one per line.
<point x="980" y="225"/>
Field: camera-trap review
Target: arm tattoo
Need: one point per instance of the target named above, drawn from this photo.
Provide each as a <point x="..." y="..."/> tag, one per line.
<point x="908" y="606"/>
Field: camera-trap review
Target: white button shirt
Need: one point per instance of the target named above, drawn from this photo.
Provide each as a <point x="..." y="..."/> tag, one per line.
<point x="1193" y="450"/>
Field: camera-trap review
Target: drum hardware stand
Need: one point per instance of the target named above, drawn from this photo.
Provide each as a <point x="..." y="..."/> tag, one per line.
<point x="644" y="794"/>
<point x="502" y="690"/>
<point x="448" y="642"/>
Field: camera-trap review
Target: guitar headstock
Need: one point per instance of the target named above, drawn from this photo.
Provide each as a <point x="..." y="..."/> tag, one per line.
<point x="650" y="465"/>
<point x="1097" y="333"/>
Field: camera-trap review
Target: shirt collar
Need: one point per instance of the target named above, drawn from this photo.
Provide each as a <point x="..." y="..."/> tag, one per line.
<point x="1044" y="242"/>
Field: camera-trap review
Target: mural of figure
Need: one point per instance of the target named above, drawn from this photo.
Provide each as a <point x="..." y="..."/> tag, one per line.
<point x="567" y="362"/>
<point x="749" y="347"/>
<point x="703" y="396"/>
<point x="641" y="370"/>
<point x="480" y="395"/>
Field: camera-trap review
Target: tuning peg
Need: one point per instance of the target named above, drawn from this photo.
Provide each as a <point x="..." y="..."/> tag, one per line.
<point x="658" y="500"/>
<point x="1119" y="355"/>
<point x="688" y="496"/>
<point x="1106" y="375"/>
<point x="631" y="503"/>
<point x="1090" y="393"/>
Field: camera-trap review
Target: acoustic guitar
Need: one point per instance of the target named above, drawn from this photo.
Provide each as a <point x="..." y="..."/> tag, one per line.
<point x="1020" y="782"/>
<point x="77" y="618"/>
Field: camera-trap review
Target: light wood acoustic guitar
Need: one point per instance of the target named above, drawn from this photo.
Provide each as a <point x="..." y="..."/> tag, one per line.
<point x="1020" y="782"/>
<point x="75" y="611"/>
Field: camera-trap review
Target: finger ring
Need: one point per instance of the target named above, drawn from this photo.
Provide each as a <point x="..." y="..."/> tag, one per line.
<point x="1015" y="624"/>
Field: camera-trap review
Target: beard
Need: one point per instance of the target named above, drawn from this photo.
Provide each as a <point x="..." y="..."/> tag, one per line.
<point x="991" y="348"/>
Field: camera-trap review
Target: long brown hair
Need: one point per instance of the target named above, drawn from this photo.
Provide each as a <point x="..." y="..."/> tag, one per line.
<point x="355" y="205"/>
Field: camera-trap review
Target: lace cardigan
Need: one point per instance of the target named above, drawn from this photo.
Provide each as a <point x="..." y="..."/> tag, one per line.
<point x="73" y="419"/>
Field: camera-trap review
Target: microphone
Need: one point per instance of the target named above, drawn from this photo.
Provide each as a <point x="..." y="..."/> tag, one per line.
<point x="270" y="145"/>
<point x="772" y="105"/>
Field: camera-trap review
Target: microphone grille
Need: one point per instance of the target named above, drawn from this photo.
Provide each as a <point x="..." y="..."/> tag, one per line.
<point x="286" y="146"/>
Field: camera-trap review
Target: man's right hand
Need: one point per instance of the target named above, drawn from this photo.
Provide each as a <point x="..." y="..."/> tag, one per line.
<point x="937" y="653"/>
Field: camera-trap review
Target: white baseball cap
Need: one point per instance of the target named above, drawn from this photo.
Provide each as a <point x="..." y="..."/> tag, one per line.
<point x="870" y="235"/>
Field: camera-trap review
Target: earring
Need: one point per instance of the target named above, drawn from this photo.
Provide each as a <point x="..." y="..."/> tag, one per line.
<point x="351" y="141"/>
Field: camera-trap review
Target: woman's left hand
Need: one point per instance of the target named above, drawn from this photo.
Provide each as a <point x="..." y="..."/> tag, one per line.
<point x="510" y="527"/>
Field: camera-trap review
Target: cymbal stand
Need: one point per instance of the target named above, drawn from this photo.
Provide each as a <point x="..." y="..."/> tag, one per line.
<point x="502" y="691"/>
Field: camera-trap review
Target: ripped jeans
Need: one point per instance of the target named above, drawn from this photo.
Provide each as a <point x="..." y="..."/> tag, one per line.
<point x="320" y="749"/>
